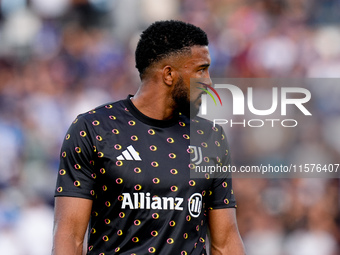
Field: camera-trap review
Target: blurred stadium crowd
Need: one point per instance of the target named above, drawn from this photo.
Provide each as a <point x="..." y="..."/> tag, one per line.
<point x="59" y="58"/>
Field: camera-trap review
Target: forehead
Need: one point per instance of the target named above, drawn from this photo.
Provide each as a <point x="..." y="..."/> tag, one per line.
<point x="199" y="56"/>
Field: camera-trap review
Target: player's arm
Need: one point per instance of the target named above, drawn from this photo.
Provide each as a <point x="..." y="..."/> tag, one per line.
<point x="70" y="223"/>
<point x="224" y="235"/>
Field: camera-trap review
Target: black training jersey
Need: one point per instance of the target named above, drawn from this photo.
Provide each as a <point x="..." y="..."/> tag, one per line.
<point x="137" y="172"/>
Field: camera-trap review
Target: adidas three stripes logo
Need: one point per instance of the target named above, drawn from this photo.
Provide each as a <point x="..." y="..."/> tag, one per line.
<point x="129" y="154"/>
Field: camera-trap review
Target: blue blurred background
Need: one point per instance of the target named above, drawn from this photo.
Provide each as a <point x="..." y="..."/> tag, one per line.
<point x="59" y="58"/>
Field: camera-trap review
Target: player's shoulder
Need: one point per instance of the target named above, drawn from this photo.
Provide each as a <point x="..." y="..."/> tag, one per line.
<point x="108" y="110"/>
<point x="206" y="127"/>
<point x="203" y="123"/>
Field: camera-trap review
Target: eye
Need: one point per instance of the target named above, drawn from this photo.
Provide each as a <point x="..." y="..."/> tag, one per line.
<point x="203" y="69"/>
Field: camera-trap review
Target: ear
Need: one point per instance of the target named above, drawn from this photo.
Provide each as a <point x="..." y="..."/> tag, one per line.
<point x="169" y="75"/>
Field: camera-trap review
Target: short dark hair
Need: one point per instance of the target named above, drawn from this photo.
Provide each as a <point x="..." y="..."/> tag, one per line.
<point x="164" y="38"/>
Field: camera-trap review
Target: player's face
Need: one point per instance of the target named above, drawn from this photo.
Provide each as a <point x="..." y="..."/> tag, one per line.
<point x="195" y="65"/>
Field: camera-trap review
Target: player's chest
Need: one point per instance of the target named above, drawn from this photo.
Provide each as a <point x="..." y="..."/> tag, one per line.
<point x="144" y="156"/>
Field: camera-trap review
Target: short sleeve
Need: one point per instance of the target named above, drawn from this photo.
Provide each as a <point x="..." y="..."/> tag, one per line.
<point x="76" y="176"/>
<point x="221" y="194"/>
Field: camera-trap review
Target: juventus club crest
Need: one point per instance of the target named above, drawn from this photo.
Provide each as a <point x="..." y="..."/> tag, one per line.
<point x="197" y="154"/>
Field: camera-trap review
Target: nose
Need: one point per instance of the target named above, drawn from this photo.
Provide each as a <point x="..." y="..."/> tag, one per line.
<point x="205" y="83"/>
<point x="206" y="78"/>
<point x="209" y="81"/>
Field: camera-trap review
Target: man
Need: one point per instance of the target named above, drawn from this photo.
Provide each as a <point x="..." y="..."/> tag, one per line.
<point x="125" y="166"/>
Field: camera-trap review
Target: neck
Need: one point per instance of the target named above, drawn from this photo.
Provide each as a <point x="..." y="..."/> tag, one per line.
<point x="154" y="102"/>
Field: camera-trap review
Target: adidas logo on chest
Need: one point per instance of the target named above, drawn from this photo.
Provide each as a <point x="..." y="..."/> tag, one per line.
<point x="129" y="154"/>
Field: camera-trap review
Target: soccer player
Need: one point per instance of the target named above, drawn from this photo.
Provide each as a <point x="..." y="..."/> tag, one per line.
<point x="125" y="166"/>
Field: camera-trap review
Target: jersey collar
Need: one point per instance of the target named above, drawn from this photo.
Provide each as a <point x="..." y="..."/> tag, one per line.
<point x="147" y="120"/>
